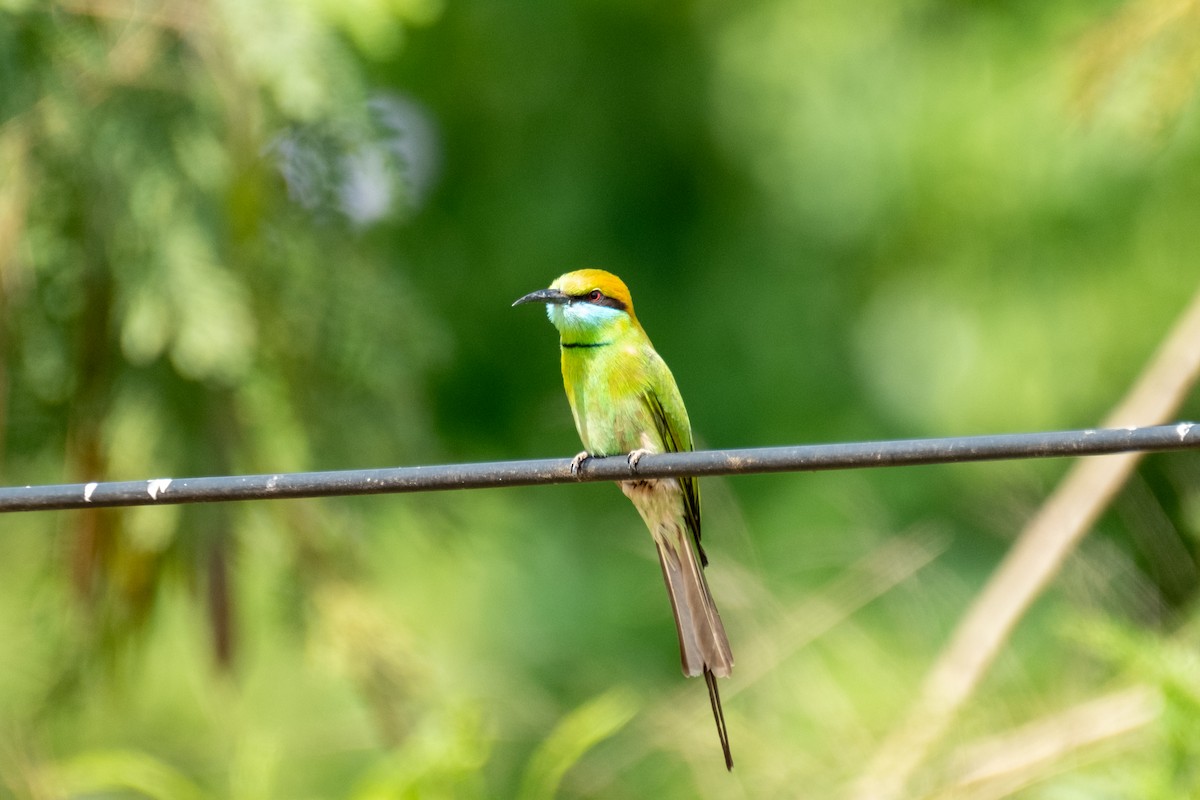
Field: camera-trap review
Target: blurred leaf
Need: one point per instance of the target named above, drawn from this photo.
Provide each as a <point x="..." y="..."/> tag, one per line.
<point x="104" y="771"/>
<point x="442" y="760"/>
<point x="579" y="731"/>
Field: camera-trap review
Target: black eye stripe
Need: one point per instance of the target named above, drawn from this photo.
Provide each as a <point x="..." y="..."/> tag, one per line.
<point x="604" y="300"/>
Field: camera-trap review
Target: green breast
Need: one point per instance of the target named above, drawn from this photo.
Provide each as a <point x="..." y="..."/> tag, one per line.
<point x="605" y="387"/>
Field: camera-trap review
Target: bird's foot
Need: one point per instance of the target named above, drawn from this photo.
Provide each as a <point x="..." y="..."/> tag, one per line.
<point x="635" y="457"/>
<point x="577" y="461"/>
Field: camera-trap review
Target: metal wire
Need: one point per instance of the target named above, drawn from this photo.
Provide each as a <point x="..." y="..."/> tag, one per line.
<point x="800" y="458"/>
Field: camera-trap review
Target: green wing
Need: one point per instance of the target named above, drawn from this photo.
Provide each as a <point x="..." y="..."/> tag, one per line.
<point x="677" y="437"/>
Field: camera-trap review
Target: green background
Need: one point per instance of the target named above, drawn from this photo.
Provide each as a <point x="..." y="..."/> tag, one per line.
<point x="243" y="236"/>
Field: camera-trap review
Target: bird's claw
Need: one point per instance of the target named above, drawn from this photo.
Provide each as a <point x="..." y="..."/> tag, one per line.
<point x="635" y="457"/>
<point x="577" y="461"/>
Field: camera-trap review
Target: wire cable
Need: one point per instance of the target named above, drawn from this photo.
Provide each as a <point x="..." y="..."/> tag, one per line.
<point x="797" y="458"/>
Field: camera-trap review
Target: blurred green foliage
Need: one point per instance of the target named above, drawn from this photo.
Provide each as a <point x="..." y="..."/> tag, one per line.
<point x="250" y="235"/>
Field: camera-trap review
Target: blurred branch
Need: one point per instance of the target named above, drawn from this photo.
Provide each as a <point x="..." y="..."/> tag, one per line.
<point x="171" y="15"/>
<point x="1033" y="561"/>
<point x="1154" y="39"/>
<point x="1000" y="765"/>
<point x="14" y="200"/>
<point x="894" y="561"/>
<point x="798" y="458"/>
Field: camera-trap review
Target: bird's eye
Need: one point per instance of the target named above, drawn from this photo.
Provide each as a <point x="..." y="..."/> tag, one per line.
<point x="595" y="295"/>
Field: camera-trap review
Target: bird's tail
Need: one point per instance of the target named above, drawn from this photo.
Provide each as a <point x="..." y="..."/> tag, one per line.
<point x="703" y="645"/>
<point x="714" y="697"/>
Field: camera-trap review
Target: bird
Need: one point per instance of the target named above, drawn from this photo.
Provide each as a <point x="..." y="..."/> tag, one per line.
<point x="625" y="401"/>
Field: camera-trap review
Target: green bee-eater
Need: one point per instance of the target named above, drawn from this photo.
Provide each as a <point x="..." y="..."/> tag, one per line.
<point x="625" y="401"/>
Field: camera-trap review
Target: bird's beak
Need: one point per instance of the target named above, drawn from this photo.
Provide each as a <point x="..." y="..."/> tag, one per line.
<point x="550" y="296"/>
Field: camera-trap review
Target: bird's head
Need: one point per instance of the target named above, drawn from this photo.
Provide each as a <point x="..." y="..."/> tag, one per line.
<point x="586" y="303"/>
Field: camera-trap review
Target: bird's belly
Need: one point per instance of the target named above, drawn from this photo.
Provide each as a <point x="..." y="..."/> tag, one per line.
<point x="609" y="430"/>
<point x="650" y="488"/>
<point x="658" y="500"/>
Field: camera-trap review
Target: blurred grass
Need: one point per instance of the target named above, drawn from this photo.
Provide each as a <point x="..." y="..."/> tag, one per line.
<point x="252" y="236"/>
